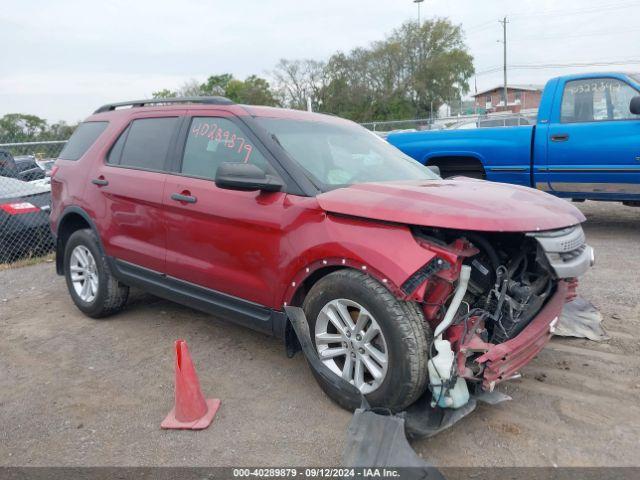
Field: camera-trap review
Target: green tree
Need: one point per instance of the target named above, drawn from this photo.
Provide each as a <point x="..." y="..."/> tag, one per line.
<point x="252" y="91"/>
<point x="408" y="74"/>
<point x="20" y="127"/>
<point x="164" y="93"/>
<point x="216" y="84"/>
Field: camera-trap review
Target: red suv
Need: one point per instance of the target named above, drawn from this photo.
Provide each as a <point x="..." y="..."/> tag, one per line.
<point x="240" y="211"/>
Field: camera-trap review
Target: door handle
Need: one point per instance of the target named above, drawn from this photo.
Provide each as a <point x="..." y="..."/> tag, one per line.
<point x="561" y="137"/>
<point x="100" y="181"/>
<point x="183" y="197"/>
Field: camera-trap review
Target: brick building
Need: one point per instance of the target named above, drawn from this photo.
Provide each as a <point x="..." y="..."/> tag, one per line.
<point x="520" y="97"/>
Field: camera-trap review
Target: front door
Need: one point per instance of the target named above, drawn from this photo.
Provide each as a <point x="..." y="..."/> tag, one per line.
<point x="594" y="140"/>
<point x="224" y="240"/>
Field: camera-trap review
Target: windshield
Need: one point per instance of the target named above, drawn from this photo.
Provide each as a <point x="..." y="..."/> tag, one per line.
<point x="339" y="155"/>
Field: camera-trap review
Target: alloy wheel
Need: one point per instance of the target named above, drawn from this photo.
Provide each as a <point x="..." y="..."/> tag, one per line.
<point x="350" y="342"/>
<point x="84" y="273"/>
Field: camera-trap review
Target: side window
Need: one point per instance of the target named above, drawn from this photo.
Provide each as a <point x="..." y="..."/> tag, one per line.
<point x="621" y="99"/>
<point x="144" y="144"/>
<point x="83" y="137"/>
<point x="116" y="151"/>
<point x="214" y="140"/>
<point x="596" y="100"/>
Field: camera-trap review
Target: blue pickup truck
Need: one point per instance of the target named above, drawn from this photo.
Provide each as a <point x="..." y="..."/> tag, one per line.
<point x="585" y="144"/>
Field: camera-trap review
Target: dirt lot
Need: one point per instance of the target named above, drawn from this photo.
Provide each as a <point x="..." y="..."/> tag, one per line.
<point x="75" y="391"/>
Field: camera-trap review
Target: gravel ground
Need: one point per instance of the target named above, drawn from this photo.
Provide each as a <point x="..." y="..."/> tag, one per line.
<point x="76" y="391"/>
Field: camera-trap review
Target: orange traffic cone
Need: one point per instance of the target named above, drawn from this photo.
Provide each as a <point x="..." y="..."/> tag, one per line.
<point x="191" y="410"/>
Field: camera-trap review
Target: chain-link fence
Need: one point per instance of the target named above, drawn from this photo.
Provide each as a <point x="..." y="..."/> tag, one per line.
<point x="25" y="198"/>
<point x="457" y="122"/>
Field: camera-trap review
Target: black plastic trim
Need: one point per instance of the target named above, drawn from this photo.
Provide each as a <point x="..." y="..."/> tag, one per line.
<point x="79" y="211"/>
<point x="237" y="310"/>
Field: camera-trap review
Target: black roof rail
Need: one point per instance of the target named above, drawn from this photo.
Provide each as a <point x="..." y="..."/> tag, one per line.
<point x="215" y="100"/>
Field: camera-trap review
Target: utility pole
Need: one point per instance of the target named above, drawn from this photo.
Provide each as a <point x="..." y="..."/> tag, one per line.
<point x="504" y="46"/>
<point x="418" y="2"/>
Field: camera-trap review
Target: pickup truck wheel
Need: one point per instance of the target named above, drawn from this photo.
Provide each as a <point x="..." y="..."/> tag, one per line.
<point x="368" y="337"/>
<point x="91" y="285"/>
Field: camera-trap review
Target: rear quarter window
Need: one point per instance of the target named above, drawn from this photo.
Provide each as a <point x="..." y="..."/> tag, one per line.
<point x="83" y="137"/>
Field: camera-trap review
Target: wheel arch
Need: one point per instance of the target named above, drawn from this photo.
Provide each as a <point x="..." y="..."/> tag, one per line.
<point x="459" y="161"/>
<point x="308" y="276"/>
<point x="72" y="219"/>
<point x="311" y="274"/>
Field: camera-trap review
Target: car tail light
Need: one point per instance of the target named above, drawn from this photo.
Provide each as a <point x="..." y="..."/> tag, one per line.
<point x="19" y="208"/>
<point x="54" y="169"/>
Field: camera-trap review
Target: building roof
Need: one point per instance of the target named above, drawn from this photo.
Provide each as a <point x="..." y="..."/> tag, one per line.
<point x="526" y="88"/>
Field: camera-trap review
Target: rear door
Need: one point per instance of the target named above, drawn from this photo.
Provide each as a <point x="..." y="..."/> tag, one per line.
<point x="126" y="190"/>
<point x="594" y="140"/>
<point x="224" y="240"/>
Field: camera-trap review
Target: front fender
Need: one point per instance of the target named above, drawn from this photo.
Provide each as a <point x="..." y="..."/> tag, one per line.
<point x="387" y="252"/>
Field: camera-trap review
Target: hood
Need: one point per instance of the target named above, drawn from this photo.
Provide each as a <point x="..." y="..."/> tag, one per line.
<point x="464" y="204"/>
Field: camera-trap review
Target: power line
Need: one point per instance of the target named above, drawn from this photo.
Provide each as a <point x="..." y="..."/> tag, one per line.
<point x="543" y="66"/>
<point x="577" y="35"/>
<point x="559" y="13"/>
<point x="481" y="27"/>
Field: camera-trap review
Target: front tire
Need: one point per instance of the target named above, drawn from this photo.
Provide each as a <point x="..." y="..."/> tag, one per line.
<point x="91" y="285"/>
<point x="370" y="338"/>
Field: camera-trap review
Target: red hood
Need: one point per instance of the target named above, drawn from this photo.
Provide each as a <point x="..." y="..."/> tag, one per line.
<point x="464" y="204"/>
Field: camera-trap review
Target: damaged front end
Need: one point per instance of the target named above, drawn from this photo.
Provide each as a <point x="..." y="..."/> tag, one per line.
<point x="495" y="301"/>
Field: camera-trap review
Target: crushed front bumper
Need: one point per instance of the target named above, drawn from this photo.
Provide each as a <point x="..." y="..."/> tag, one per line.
<point x="503" y="361"/>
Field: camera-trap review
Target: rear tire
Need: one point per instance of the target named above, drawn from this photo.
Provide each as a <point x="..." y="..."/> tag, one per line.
<point x="404" y="339"/>
<point x="90" y="282"/>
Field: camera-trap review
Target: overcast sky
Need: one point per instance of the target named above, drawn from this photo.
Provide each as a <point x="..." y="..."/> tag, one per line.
<point x="62" y="59"/>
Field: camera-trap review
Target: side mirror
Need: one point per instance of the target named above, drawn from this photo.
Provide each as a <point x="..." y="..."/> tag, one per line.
<point x="435" y="169"/>
<point x="246" y="177"/>
<point x="634" y="106"/>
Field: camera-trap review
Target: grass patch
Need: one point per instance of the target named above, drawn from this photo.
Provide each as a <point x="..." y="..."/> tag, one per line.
<point x="25" y="262"/>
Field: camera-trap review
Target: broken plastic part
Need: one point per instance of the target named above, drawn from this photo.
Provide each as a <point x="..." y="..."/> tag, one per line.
<point x="581" y="319"/>
<point x="376" y="438"/>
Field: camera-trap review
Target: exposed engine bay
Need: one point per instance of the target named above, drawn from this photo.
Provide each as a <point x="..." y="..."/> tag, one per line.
<point x="494" y="287"/>
<point x="510" y="279"/>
